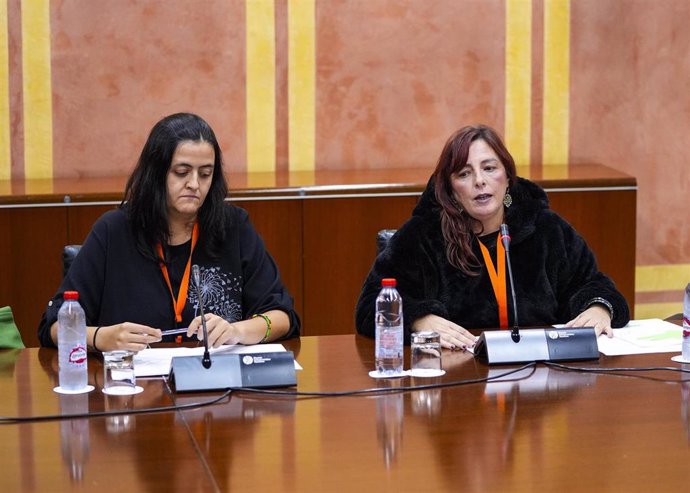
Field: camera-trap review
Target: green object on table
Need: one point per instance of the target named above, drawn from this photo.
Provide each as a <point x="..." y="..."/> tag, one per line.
<point x="10" y="338"/>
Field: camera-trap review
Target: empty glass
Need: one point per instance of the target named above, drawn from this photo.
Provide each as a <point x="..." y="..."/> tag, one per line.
<point x="118" y="367"/>
<point x="425" y="354"/>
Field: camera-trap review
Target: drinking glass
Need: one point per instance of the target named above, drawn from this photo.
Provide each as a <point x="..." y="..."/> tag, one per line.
<point x="119" y="372"/>
<point x="425" y="354"/>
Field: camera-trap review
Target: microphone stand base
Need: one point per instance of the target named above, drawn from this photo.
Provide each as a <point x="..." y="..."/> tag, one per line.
<point x="549" y="344"/>
<point x="187" y="373"/>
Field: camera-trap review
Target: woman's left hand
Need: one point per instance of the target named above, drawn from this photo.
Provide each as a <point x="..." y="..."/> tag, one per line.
<point x="596" y="316"/>
<point x="220" y="331"/>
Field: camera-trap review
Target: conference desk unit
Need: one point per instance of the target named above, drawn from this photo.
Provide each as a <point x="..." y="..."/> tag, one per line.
<point x="319" y="226"/>
<point x="546" y="430"/>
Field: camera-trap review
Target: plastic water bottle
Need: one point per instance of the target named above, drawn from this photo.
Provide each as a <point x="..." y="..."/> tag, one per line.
<point x="389" y="329"/>
<point x="686" y="308"/>
<point x="686" y="324"/>
<point x="72" y="343"/>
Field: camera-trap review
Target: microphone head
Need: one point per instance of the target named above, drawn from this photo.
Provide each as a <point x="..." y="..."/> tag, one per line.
<point x="195" y="274"/>
<point x="505" y="235"/>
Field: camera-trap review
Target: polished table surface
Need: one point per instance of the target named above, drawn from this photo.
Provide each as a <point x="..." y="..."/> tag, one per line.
<point x="552" y="431"/>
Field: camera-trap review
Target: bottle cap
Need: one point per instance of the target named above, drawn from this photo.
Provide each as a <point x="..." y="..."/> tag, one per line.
<point x="389" y="282"/>
<point x="71" y="295"/>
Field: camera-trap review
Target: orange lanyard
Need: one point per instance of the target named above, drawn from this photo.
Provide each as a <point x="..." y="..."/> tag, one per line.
<point x="498" y="279"/>
<point x="179" y="303"/>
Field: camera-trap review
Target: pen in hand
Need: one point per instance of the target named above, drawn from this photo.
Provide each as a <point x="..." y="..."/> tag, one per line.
<point x="174" y="331"/>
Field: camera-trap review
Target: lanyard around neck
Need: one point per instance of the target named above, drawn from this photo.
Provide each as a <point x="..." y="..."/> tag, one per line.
<point x="498" y="279"/>
<point x="179" y="303"/>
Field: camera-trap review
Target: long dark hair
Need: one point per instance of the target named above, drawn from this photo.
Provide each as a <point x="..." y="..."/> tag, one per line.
<point x="146" y="193"/>
<point x="456" y="225"/>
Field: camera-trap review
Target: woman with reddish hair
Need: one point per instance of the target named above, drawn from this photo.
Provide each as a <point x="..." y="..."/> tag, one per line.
<point x="449" y="261"/>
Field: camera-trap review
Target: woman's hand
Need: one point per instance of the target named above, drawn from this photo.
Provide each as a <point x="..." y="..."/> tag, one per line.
<point x="251" y="331"/>
<point x="452" y="335"/>
<point x="596" y="316"/>
<point x="127" y="335"/>
<point x="220" y="331"/>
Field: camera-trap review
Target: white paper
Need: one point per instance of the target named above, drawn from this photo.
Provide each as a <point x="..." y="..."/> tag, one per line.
<point x="642" y="337"/>
<point x="153" y="362"/>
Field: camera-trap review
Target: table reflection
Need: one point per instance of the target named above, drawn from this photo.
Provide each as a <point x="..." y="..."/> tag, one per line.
<point x="389" y="419"/>
<point x="138" y="450"/>
<point x="120" y="423"/>
<point x="426" y="402"/>
<point x="685" y="408"/>
<point x="74" y="434"/>
<point x="246" y="407"/>
<point x="541" y="380"/>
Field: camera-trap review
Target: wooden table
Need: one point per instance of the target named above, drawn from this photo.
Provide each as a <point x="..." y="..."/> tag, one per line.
<point x="553" y="431"/>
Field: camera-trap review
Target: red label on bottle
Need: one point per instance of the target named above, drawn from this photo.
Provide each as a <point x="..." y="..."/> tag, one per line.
<point x="77" y="355"/>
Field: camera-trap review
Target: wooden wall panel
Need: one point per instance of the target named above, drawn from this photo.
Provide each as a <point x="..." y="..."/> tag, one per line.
<point x="279" y="222"/>
<point x="80" y="219"/>
<point x="339" y="248"/>
<point x="30" y="251"/>
<point x="606" y="220"/>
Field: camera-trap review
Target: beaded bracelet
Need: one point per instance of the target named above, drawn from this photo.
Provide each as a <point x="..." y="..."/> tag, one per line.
<point x="94" y="338"/>
<point x="268" y="325"/>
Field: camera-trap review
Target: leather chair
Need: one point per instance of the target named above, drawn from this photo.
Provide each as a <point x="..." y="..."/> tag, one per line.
<point x="383" y="237"/>
<point x="68" y="255"/>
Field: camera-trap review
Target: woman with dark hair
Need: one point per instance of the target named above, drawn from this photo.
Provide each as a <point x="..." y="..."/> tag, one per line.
<point x="449" y="260"/>
<point x="133" y="273"/>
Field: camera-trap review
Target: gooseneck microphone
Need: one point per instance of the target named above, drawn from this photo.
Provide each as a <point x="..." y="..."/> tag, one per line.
<point x="533" y="344"/>
<point x="230" y="370"/>
<point x="206" y="360"/>
<point x="505" y="239"/>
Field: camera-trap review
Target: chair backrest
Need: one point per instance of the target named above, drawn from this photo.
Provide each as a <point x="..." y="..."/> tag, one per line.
<point x="68" y="255"/>
<point x="383" y="237"/>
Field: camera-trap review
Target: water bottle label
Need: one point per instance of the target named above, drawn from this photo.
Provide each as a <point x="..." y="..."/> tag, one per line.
<point x="77" y="356"/>
<point x="390" y="343"/>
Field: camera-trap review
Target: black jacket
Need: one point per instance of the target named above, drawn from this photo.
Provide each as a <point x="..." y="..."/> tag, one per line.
<point x="116" y="283"/>
<point x="555" y="272"/>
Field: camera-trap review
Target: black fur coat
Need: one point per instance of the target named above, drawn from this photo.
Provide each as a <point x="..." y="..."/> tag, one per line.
<point x="555" y="273"/>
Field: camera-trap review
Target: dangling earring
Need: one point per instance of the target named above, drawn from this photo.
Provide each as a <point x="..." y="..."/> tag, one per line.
<point x="507" y="199"/>
<point x="457" y="205"/>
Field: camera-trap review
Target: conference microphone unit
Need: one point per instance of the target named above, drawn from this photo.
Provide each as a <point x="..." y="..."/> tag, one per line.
<point x="197" y="373"/>
<point x="255" y="370"/>
<point x="527" y="345"/>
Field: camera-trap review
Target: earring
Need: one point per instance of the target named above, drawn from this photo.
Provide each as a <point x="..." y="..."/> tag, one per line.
<point x="507" y="199"/>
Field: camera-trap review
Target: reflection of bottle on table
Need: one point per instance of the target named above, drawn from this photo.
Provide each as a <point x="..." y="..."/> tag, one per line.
<point x="685" y="408"/>
<point x="74" y="434"/>
<point x="389" y="423"/>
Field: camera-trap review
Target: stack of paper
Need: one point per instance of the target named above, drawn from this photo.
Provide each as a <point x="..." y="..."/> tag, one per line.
<point x="643" y="336"/>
